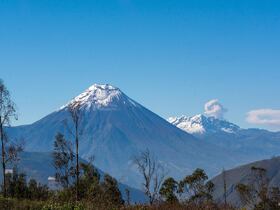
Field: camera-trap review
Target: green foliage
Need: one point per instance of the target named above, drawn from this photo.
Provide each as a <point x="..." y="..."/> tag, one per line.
<point x="36" y="191"/>
<point x="17" y="187"/>
<point x="63" y="158"/>
<point x="89" y="185"/>
<point x="22" y="204"/>
<point x="64" y="206"/>
<point x="196" y="187"/>
<point x="168" y="190"/>
<point x="104" y="194"/>
<point x="110" y="191"/>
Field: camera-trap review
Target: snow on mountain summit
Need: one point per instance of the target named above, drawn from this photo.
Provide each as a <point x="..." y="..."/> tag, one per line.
<point x="100" y="96"/>
<point x="189" y="124"/>
<point x="200" y="124"/>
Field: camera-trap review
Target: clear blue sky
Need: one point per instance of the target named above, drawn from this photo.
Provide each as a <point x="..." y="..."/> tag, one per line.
<point x="171" y="56"/>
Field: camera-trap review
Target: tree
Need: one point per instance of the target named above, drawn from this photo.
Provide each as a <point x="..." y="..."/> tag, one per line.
<point x="127" y="194"/>
<point x="32" y="189"/>
<point x="36" y="191"/>
<point x="103" y="192"/>
<point x="224" y="186"/>
<point x="17" y="187"/>
<point x="75" y="112"/>
<point x="111" y="192"/>
<point x="7" y="112"/>
<point x="196" y="187"/>
<point x="274" y="195"/>
<point x="152" y="172"/>
<point x="63" y="158"/>
<point x="16" y="184"/>
<point x="89" y="181"/>
<point x="256" y="193"/>
<point x="245" y="194"/>
<point x="168" y="190"/>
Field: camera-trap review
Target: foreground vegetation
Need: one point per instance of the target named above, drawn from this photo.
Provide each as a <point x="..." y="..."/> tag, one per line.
<point x="102" y="194"/>
<point x="194" y="192"/>
<point x="98" y="193"/>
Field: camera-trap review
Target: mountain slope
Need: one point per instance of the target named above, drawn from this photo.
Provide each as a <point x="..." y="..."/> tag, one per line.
<point x="241" y="175"/>
<point x="115" y="128"/>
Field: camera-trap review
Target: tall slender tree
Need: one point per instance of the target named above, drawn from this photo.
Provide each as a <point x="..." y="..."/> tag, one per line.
<point x="225" y="187"/>
<point x="75" y="112"/>
<point x="7" y="113"/>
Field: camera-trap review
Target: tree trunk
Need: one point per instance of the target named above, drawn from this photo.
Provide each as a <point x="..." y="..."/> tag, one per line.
<point x="77" y="162"/>
<point x="225" y="187"/>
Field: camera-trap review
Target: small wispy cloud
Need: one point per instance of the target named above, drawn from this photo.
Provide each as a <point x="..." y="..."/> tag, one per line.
<point x="215" y="109"/>
<point x="266" y="117"/>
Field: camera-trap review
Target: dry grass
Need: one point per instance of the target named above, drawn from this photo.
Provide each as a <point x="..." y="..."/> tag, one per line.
<point x="11" y="204"/>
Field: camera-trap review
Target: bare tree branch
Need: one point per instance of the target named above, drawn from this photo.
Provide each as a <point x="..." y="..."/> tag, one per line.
<point x="152" y="172"/>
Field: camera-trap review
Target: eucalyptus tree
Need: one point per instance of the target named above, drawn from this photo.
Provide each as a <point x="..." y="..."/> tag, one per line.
<point x="74" y="109"/>
<point x="7" y="113"/>
<point x="63" y="160"/>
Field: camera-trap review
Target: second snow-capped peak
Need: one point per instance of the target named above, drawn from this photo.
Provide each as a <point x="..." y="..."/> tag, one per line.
<point x="201" y="125"/>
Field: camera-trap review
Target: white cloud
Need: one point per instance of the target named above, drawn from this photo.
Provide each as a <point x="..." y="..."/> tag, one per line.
<point x="267" y="117"/>
<point x="215" y="109"/>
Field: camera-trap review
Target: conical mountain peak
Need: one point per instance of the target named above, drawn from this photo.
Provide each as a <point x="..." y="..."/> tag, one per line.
<point x="99" y="96"/>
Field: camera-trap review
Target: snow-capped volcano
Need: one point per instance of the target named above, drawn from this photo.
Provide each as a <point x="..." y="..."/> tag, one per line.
<point x="101" y="97"/>
<point x="114" y="128"/>
<point x="200" y="124"/>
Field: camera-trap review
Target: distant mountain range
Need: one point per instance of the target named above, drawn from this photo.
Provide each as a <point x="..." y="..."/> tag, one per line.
<point x="241" y="174"/>
<point x="115" y="128"/>
<point x="257" y="143"/>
